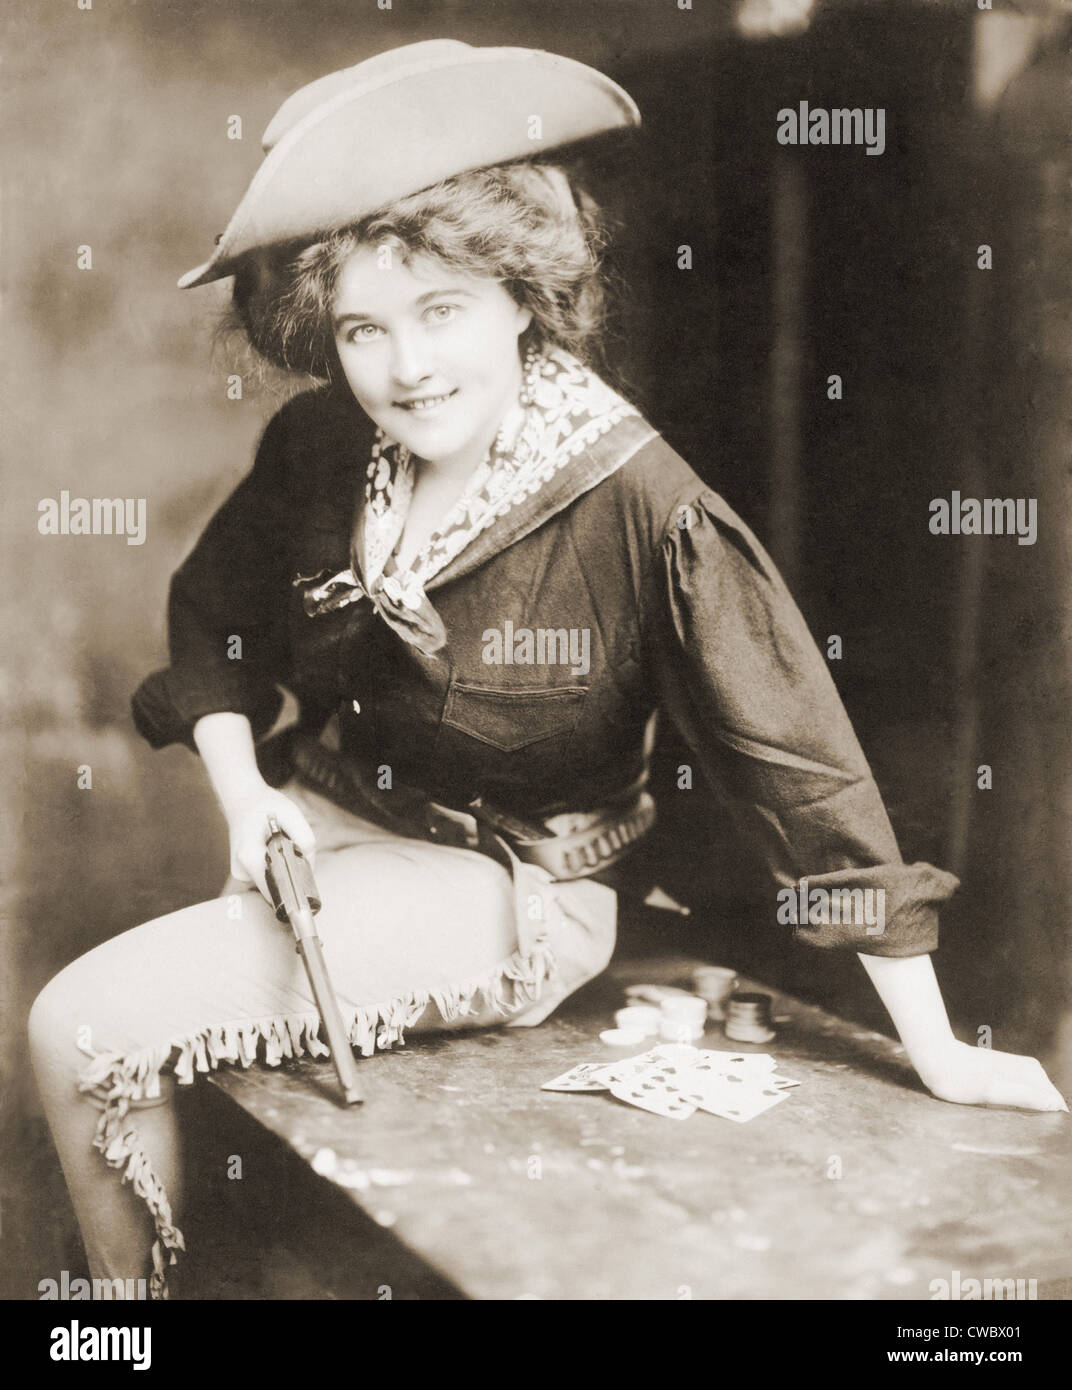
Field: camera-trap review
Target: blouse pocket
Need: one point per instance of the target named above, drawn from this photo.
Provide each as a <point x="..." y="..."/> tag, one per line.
<point x="509" y="741"/>
<point x="512" y="719"/>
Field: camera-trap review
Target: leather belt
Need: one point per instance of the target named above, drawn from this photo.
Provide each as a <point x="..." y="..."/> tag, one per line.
<point x="580" y="853"/>
<point x="479" y="826"/>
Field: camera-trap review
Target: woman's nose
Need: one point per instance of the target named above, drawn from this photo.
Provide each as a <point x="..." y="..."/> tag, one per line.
<point x="409" y="362"/>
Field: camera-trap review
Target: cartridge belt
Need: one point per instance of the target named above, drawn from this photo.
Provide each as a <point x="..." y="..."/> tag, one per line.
<point x="478" y="825"/>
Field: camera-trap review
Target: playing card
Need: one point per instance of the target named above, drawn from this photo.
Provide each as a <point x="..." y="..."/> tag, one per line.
<point x="742" y="1063"/>
<point x="578" y="1078"/>
<point x="676" y="1079"/>
<point x="741" y="1102"/>
<point x="677" y="1055"/>
<point x="702" y="1087"/>
<point x="621" y="1070"/>
<point x="676" y="1052"/>
<point x="655" y="1095"/>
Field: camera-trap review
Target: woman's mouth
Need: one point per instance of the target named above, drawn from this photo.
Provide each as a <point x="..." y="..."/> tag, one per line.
<point x="421" y="405"/>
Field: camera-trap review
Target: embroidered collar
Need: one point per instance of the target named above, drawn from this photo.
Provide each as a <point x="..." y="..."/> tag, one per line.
<point x="567" y="409"/>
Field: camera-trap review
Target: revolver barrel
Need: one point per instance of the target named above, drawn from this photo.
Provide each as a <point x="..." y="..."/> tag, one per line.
<point x="296" y="900"/>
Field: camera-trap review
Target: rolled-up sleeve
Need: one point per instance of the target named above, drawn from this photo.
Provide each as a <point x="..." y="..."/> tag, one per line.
<point x="226" y="611"/>
<point x="741" y="677"/>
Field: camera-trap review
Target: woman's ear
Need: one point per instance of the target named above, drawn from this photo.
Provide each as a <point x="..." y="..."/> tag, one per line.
<point x="524" y="318"/>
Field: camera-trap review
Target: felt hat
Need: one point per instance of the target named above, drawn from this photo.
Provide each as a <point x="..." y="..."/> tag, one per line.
<point x="349" y="143"/>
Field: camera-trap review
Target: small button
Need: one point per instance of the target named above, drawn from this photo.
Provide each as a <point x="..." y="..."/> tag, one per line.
<point x="355" y="706"/>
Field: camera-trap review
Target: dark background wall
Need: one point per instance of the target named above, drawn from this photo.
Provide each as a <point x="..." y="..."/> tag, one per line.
<point x="806" y="262"/>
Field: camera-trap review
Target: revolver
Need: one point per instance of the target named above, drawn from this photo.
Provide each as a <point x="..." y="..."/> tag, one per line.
<point x="297" y="901"/>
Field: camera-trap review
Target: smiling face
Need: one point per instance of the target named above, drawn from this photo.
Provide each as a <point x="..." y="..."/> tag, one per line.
<point x="431" y="355"/>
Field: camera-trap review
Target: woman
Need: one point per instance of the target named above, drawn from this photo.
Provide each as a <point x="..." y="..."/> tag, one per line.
<point x="480" y="571"/>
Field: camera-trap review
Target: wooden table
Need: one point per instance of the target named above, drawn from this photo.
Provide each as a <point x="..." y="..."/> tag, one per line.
<point x="507" y="1192"/>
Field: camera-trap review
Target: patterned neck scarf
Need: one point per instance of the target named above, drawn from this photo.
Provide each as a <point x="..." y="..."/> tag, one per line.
<point x="564" y="408"/>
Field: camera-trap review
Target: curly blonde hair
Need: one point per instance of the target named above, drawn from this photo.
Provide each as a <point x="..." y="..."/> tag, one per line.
<point x="523" y="224"/>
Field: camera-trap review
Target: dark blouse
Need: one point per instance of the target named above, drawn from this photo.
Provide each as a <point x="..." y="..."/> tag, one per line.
<point x="683" y="609"/>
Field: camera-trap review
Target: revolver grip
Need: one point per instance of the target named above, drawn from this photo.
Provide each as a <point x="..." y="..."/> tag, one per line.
<point x="289" y="878"/>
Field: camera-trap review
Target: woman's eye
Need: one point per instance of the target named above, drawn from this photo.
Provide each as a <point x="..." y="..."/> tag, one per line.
<point x="363" y="333"/>
<point x="442" y="313"/>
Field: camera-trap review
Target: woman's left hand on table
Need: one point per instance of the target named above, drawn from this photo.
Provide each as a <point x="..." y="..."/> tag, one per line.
<point x="970" y="1075"/>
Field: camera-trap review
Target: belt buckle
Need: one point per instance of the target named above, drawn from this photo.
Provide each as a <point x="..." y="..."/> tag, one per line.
<point x="438" y="818"/>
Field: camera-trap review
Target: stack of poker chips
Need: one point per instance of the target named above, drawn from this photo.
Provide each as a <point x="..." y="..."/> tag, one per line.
<point x="678" y="1016"/>
<point x="682" y="1018"/>
<point x="748" y="1018"/>
<point x="632" y="1025"/>
<point x="642" y="1018"/>
<point x="715" y="983"/>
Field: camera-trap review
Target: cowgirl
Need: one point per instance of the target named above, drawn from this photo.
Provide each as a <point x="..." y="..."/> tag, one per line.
<point x="463" y="473"/>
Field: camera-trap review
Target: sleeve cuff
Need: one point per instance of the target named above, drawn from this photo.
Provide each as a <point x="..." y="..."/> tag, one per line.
<point x="886" y="910"/>
<point x="168" y="704"/>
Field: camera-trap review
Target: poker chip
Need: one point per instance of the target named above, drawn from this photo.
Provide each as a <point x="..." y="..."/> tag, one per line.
<point x="622" y="1037"/>
<point x="682" y="1018"/>
<point x="748" y="1018"/>
<point x="685" y="1008"/>
<point x="714" y="983"/>
<point x="679" y="1030"/>
<point x="711" y="975"/>
<point x="644" y="1017"/>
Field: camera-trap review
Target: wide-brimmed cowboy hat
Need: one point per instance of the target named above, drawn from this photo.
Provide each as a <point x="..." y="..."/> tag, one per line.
<point x="349" y="143"/>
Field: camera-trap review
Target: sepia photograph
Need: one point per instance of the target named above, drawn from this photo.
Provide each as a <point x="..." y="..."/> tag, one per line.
<point x="538" y="659"/>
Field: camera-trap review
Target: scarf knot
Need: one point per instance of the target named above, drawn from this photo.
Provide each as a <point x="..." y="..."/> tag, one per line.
<point x="566" y="407"/>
